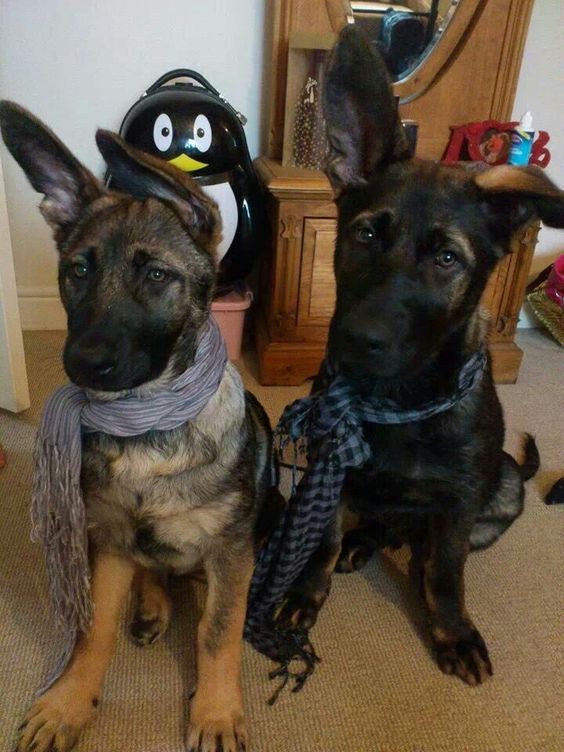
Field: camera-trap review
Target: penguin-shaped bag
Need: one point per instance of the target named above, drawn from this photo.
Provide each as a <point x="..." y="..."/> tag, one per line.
<point x="197" y="130"/>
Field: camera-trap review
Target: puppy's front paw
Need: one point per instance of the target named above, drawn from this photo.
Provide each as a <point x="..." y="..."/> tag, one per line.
<point x="56" y="719"/>
<point x="464" y="655"/>
<point x="216" y="728"/>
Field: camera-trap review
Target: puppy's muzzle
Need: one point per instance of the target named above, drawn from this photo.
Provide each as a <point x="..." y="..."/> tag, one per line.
<point x="372" y="341"/>
<point x="365" y="346"/>
<point x="91" y="363"/>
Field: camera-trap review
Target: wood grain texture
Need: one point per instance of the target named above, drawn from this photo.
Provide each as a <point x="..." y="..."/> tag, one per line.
<point x="317" y="281"/>
<point x="464" y="90"/>
<point x="288" y="16"/>
<point x="285" y="363"/>
<point x="338" y="11"/>
<point x="506" y="361"/>
<point x="476" y="83"/>
<point x="518" y="18"/>
<point x="286" y="182"/>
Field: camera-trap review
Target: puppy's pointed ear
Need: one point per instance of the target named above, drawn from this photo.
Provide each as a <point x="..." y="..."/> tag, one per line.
<point x="363" y="126"/>
<point x="513" y="196"/>
<point x="144" y="176"/>
<point x="51" y="169"/>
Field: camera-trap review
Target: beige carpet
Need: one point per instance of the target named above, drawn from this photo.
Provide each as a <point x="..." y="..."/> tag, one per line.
<point x="377" y="689"/>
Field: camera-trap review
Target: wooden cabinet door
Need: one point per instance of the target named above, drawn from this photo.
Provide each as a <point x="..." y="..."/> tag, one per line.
<point x="316" y="300"/>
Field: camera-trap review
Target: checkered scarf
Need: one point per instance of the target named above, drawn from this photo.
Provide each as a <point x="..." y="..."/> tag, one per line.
<point x="329" y="425"/>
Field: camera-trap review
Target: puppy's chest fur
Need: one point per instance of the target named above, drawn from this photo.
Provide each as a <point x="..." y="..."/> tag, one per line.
<point x="165" y="498"/>
<point x="421" y="466"/>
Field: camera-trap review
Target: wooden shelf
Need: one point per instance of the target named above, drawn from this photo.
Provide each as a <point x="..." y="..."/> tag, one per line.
<point x="284" y="182"/>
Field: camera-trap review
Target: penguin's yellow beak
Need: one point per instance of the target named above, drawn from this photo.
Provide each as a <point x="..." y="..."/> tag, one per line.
<point x="186" y="163"/>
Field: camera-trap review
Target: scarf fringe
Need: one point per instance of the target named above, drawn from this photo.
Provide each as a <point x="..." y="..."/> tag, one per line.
<point x="304" y="652"/>
<point x="59" y="524"/>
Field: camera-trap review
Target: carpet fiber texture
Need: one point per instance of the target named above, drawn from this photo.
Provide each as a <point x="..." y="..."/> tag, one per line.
<point x="377" y="688"/>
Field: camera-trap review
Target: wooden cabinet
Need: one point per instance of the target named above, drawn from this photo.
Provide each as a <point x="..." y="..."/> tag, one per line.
<point x="476" y="81"/>
<point x="297" y="287"/>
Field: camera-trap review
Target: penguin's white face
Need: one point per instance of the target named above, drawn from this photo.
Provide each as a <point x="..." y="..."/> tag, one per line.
<point x="197" y="143"/>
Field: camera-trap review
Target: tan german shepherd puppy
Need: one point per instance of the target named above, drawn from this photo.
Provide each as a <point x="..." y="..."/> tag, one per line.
<point x="137" y="276"/>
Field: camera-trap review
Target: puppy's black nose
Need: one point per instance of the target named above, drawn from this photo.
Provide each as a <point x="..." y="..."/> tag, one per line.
<point x="98" y="359"/>
<point x="370" y="341"/>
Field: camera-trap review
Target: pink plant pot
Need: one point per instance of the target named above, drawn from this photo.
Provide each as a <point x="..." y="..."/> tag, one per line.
<point x="229" y="312"/>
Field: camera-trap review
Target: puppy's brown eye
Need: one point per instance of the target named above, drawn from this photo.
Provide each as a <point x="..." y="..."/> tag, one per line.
<point x="446" y="259"/>
<point x="364" y="234"/>
<point x="156" y="275"/>
<point x="80" y="269"/>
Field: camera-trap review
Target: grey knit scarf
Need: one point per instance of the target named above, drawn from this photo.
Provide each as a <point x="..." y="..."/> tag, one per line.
<point x="57" y="510"/>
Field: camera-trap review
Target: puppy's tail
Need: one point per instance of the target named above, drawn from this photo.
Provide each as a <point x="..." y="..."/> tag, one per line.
<point x="531" y="458"/>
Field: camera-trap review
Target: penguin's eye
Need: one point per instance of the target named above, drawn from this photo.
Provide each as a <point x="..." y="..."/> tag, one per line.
<point x="202" y="133"/>
<point x="162" y="132"/>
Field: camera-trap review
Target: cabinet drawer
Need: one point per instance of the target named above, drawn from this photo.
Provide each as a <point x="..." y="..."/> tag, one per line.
<point x="316" y="297"/>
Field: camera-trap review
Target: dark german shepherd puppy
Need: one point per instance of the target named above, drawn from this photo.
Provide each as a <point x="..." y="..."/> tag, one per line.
<point x="136" y="276"/>
<point x="416" y="244"/>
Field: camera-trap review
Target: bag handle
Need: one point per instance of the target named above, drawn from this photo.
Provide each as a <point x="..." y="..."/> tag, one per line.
<point x="182" y="73"/>
<point x="188" y="73"/>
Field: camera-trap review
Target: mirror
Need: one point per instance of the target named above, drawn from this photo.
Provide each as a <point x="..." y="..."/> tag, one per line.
<point x="415" y="37"/>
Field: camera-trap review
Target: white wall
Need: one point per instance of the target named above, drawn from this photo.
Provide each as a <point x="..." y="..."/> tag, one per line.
<point x="541" y="90"/>
<point x="14" y="393"/>
<point x="79" y="65"/>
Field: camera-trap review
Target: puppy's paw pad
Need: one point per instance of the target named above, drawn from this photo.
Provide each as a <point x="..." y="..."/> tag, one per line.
<point x="466" y="657"/>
